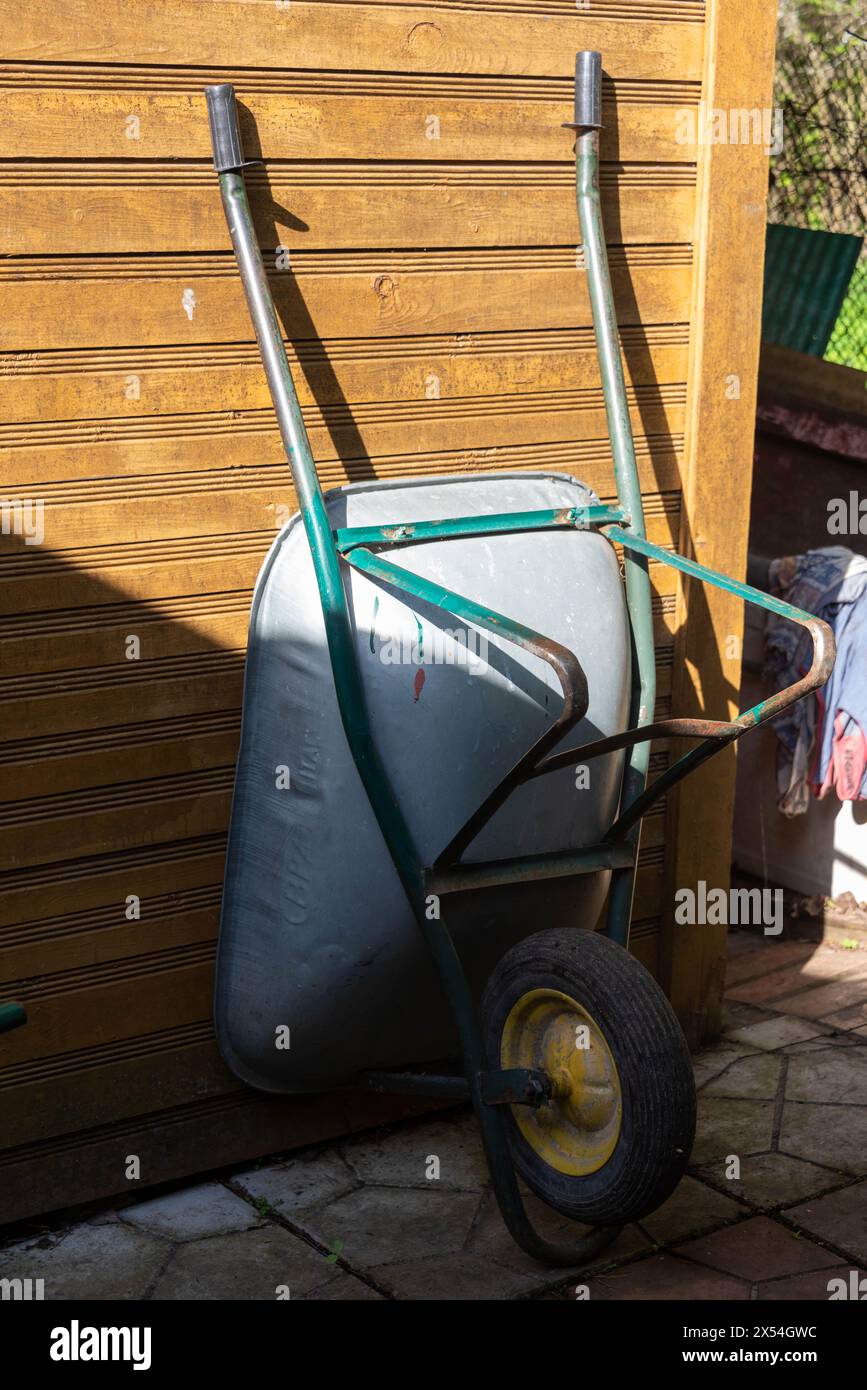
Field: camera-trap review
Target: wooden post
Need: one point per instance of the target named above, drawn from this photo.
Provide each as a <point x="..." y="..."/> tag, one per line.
<point x="724" y="346"/>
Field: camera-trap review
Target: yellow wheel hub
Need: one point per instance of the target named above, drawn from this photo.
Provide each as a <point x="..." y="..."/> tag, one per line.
<point x="577" y="1131"/>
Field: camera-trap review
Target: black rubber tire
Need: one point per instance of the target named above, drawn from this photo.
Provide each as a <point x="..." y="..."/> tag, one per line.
<point x="653" y="1062"/>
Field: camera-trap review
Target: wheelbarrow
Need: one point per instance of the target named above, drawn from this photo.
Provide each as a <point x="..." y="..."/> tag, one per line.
<point x="448" y="711"/>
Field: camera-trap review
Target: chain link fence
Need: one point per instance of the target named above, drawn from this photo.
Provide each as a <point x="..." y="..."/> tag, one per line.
<point x="819" y="179"/>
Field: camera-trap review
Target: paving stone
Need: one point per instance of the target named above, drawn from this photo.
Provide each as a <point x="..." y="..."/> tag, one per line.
<point x="248" y="1267"/>
<point x="89" y="1262"/>
<point x="345" y="1289"/>
<point x="848" y="1019"/>
<point x="310" y="1180"/>
<point x="712" y="1060"/>
<point x="757" y="1249"/>
<point x="833" y="1076"/>
<point x="840" y="1218"/>
<point x="778" y="1032"/>
<point x="822" y="1044"/>
<point x="666" y="1277"/>
<point x="401" y="1158"/>
<point x="727" y="1126"/>
<point x="207" y="1210"/>
<point x="737" y="1016"/>
<point x="380" y="1225"/>
<point x="812" y="1286"/>
<point x="459" y="1276"/>
<point x="692" y="1207"/>
<point x="754" y="1078"/>
<point x="835" y="1135"/>
<point x="828" y="1000"/>
<point x="777" y="988"/>
<point x="490" y="1237"/>
<point x="772" y="1180"/>
<point x="769" y="958"/>
<point x="768" y="988"/>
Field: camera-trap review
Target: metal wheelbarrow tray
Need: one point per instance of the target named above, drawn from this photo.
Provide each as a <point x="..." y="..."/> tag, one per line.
<point x="318" y="934"/>
<point x="448" y="710"/>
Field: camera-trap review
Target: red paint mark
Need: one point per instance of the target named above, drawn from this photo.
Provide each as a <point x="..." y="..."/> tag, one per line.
<point x="418" y="683"/>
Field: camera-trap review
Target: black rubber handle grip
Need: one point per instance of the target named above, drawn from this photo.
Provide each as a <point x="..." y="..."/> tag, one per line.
<point x="588" y="89"/>
<point x="225" y="132"/>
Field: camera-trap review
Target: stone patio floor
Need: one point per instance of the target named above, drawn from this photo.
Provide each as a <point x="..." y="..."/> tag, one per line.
<point x="784" y="1090"/>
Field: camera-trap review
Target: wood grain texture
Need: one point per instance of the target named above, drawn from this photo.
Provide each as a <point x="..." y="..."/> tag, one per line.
<point x="66" y="303"/>
<point x="730" y="238"/>
<point x="165" y="208"/>
<point x="126" y="115"/>
<point x="487" y="39"/>
<point x="129" y="383"/>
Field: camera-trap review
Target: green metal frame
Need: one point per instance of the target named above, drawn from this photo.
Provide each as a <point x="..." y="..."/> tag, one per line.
<point x="360" y="547"/>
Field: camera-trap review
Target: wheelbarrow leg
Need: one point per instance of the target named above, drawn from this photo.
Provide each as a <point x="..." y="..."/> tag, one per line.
<point x="492" y="1119"/>
<point x="495" y="1139"/>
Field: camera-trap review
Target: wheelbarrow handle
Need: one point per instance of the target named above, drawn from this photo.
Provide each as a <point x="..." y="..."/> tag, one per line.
<point x="588" y="89"/>
<point x="225" y="130"/>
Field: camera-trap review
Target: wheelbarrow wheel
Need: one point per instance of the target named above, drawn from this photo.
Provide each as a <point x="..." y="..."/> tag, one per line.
<point x="615" y="1137"/>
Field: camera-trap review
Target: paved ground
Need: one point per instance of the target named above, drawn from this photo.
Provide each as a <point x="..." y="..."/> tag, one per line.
<point x="784" y="1092"/>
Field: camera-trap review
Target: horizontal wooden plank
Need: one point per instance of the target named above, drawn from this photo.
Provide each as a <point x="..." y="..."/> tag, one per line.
<point x="357" y="435"/>
<point x="76" y="940"/>
<point x="644" y="944"/>
<point x="58" y="702"/>
<point x="63" y="386"/>
<point x="105" y="209"/>
<point x="177" y="462"/>
<point x="373" y="37"/>
<point x="392" y="118"/>
<point x="682" y="11"/>
<point x="137" y="996"/>
<point x="38" y="581"/>
<point x="63" y="303"/>
<point x="88" y="78"/>
<point x="188" y="743"/>
<point x="142" y="813"/>
<point x="33" y="899"/>
<point x="41" y="1102"/>
<point x="809" y="382"/>
<point x="89" y="637"/>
